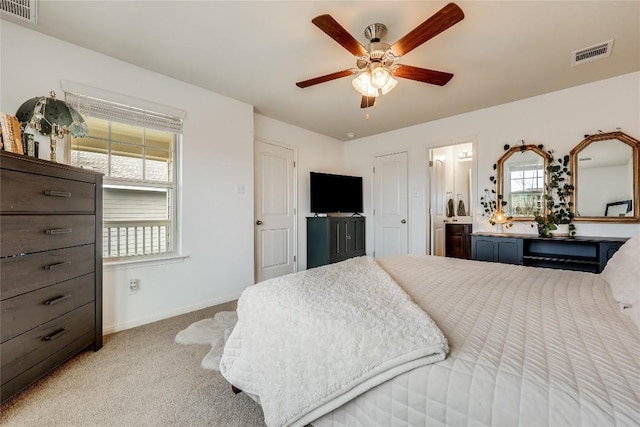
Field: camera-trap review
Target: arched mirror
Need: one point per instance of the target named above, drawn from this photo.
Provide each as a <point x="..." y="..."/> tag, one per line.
<point x="605" y="176"/>
<point x="521" y="174"/>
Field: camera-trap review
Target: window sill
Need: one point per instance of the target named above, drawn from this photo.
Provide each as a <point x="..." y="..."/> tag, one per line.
<point x="147" y="261"/>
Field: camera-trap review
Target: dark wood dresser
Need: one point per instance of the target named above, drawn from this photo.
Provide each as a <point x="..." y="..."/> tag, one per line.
<point x="50" y="267"/>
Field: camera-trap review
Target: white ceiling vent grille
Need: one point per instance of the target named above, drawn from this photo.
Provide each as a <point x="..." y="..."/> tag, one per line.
<point x="22" y="9"/>
<point x="591" y="53"/>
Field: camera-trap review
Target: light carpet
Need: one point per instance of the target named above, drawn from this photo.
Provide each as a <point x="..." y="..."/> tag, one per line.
<point x="140" y="378"/>
<point x="214" y="332"/>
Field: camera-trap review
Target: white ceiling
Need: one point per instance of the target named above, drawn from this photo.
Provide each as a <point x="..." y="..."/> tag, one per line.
<point x="255" y="52"/>
<point x="605" y="153"/>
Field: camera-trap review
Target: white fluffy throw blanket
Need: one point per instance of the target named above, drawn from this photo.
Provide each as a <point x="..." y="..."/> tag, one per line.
<point x="308" y="342"/>
<point x="214" y="331"/>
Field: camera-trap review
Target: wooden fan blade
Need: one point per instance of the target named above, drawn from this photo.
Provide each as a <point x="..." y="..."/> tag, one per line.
<point x="322" y="79"/>
<point x="440" y="21"/>
<point x="368" y="101"/>
<point x="434" y="77"/>
<point x="334" y="30"/>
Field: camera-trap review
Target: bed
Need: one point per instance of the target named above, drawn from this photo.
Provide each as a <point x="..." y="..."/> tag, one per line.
<point x="524" y="346"/>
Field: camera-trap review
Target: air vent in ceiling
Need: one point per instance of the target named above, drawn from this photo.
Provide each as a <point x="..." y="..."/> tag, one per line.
<point x="588" y="54"/>
<point x="22" y="9"/>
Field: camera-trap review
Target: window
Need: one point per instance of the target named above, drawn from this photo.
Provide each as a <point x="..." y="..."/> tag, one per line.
<point x="527" y="189"/>
<point x="136" y="150"/>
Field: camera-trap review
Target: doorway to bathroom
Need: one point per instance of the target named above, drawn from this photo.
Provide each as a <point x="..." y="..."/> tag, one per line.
<point x="451" y="198"/>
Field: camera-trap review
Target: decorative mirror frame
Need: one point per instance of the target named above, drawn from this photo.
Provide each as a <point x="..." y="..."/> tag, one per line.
<point x="500" y="171"/>
<point x="635" y="147"/>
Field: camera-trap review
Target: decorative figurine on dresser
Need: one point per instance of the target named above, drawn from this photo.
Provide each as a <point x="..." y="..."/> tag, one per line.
<point x="50" y="267"/>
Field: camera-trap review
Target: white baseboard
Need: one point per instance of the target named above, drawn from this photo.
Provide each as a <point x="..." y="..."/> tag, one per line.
<point x="106" y="330"/>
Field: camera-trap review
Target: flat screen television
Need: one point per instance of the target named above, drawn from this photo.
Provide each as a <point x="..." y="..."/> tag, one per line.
<point x="332" y="193"/>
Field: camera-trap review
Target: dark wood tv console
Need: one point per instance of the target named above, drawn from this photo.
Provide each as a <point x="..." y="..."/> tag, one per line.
<point x="578" y="253"/>
<point x="334" y="239"/>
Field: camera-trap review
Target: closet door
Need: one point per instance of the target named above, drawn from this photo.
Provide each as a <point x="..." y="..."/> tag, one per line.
<point x="275" y="215"/>
<point x="390" y="205"/>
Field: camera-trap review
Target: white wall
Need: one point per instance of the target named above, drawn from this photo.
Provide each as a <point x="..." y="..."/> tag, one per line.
<point x="315" y="152"/>
<point x="602" y="188"/>
<point x="217" y="223"/>
<point x="557" y="120"/>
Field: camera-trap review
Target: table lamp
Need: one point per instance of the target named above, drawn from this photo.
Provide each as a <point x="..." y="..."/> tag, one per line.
<point x="53" y="117"/>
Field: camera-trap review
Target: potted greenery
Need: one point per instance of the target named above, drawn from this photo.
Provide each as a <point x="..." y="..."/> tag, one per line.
<point x="557" y="197"/>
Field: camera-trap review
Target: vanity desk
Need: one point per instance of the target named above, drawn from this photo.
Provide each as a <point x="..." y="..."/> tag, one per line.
<point x="577" y="253"/>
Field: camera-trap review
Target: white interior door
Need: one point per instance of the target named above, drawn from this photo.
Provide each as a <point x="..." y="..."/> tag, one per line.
<point x="390" y="207"/>
<point x="275" y="213"/>
<point x="437" y="207"/>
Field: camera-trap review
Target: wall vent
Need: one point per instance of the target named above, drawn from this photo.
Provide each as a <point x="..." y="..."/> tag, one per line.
<point x="21" y="9"/>
<point x="588" y="54"/>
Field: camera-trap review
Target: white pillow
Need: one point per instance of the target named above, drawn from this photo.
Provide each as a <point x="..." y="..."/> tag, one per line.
<point x="622" y="272"/>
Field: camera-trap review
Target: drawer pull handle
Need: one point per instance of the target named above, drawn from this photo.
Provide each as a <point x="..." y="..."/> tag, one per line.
<point x="57" y="193"/>
<point x="57" y="265"/>
<point x="58" y="231"/>
<point x="56" y="300"/>
<point x="57" y="334"/>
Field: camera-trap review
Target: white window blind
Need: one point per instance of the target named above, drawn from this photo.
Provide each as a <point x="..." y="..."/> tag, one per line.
<point x="137" y="150"/>
<point x="112" y="111"/>
<point x="123" y="204"/>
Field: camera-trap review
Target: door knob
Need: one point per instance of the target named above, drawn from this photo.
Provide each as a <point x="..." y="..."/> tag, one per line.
<point x="258" y="222"/>
<point x="404" y="221"/>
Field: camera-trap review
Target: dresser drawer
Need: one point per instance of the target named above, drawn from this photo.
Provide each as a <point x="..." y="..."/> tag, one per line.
<point x="37" y="371"/>
<point x="24" y="379"/>
<point x="22" y="274"/>
<point x="24" y="312"/>
<point x="26" y="192"/>
<point x="23" y="234"/>
<point x="28" y="349"/>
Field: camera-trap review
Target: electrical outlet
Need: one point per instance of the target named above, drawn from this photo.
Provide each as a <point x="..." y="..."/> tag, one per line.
<point x="134" y="285"/>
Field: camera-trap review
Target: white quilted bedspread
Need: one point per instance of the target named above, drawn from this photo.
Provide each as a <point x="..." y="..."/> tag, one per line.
<point x="528" y="347"/>
<point x="308" y="342"/>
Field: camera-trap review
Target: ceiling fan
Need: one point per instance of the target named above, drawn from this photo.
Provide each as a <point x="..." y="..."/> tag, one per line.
<point x="375" y="63"/>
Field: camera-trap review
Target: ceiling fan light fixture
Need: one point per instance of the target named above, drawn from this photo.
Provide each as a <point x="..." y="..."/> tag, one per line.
<point x="379" y="75"/>
<point x="362" y="84"/>
<point x="391" y="83"/>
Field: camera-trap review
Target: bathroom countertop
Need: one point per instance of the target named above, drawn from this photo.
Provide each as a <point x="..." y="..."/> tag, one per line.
<point x="459" y="220"/>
